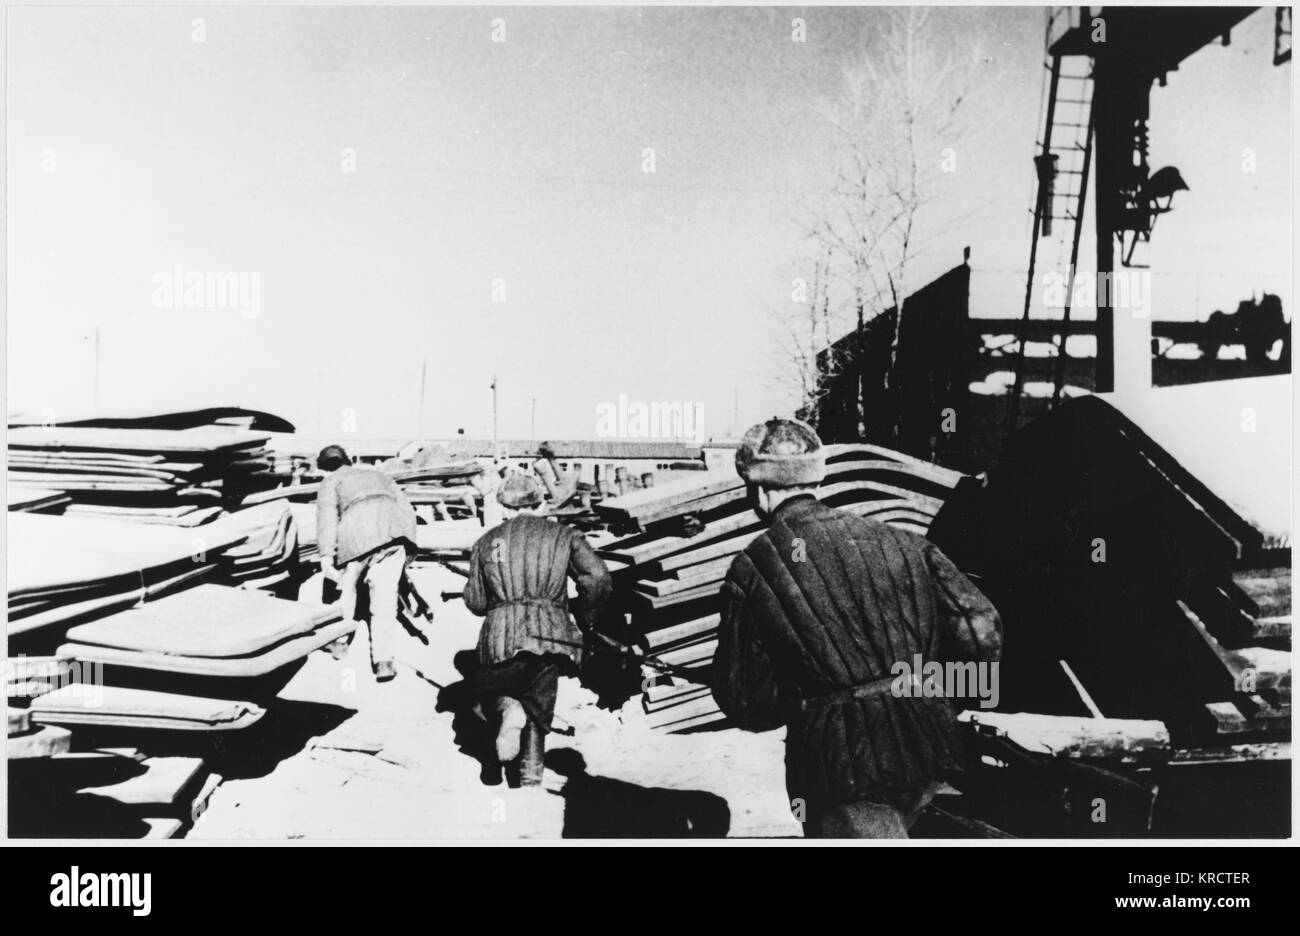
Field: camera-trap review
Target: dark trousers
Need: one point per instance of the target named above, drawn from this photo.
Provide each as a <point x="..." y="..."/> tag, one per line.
<point x="530" y="678"/>
<point x="533" y="680"/>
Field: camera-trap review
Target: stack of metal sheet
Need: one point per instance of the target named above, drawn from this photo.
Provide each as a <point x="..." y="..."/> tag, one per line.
<point x="115" y="706"/>
<point x="669" y="574"/>
<point x="212" y="630"/>
<point x="267" y="552"/>
<point x="64" y="569"/>
<point x="37" y="500"/>
<point x="179" y="515"/>
<point x="157" y="464"/>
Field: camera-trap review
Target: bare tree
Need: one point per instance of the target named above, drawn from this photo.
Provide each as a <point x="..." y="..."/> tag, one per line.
<point x="895" y="126"/>
<point x="807" y="353"/>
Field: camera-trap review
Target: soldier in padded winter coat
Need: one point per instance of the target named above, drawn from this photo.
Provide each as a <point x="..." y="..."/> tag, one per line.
<point x="518" y="578"/>
<point x="365" y="529"/>
<point x="817" y="612"/>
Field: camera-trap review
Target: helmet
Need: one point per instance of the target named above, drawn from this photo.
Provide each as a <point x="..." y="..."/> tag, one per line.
<point x="781" y="453"/>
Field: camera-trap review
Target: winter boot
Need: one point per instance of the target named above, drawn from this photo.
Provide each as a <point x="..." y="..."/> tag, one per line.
<point x="532" y="757"/>
<point x="513" y="720"/>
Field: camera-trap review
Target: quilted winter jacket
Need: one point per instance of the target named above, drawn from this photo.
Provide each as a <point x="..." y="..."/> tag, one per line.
<point x="823" y="603"/>
<point x="518" y="573"/>
<point x="360" y="510"/>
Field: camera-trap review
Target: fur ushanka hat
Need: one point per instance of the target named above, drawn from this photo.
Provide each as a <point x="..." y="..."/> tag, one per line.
<point x="519" y="491"/>
<point x="781" y="453"/>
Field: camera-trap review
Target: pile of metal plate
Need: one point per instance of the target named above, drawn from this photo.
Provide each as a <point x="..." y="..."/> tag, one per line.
<point x="177" y="515"/>
<point x="105" y="738"/>
<point x="37" y="500"/>
<point x="669" y="573"/>
<point x="137" y="465"/>
<point x="267" y="551"/>
<point x="209" y="631"/>
<point x="64" y="569"/>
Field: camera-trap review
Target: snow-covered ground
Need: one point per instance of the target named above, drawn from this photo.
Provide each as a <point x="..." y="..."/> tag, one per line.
<point x="391" y="768"/>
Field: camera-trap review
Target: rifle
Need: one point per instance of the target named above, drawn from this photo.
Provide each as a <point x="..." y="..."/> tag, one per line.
<point x="611" y="647"/>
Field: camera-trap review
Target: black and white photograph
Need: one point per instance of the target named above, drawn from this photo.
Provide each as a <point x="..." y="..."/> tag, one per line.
<point x="527" y="424"/>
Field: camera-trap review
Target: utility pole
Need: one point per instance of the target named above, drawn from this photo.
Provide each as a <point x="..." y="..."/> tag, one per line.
<point x="735" y="411"/>
<point x="424" y="370"/>
<point x="532" y="426"/>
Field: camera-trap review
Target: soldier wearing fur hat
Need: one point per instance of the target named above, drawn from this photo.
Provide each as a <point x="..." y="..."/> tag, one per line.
<point x="817" y="611"/>
<point x="518" y="579"/>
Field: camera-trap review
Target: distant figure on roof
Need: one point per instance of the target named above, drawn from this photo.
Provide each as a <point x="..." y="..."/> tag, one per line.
<point x="817" y="614"/>
<point x="365" y="528"/>
<point x="518" y="579"/>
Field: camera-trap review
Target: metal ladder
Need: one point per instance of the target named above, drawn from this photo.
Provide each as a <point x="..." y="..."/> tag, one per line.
<point x="1063" y="164"/>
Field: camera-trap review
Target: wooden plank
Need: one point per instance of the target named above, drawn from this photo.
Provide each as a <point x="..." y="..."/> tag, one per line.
<point x="282" y="654"/>
<point x="637" y="503"/>
<point x="89" y="483"/>
<point x="687" y="630"/>
<point x="1271" y="668"/>
<point x="875" y="491"/>
<point x="660" y="547"/>
<point x="1268" y="591"/>
<point x="45" y="742"/>
<point x="671" y="586"/>
<point x="17" y="721"/>
<point x="655" y="602"/>
<point x="690" y="655"/>
<point x="1227" y="718"/>
<point x="1233" y="753"/>
<point x="1272" y="628"/>
<point x="1076" y="736"/>
<point x="1222" y="613"/>
<point x="1248" y="714"/>
<point x="207" y="621"/>
<point x="849" y="477"/>
<point x="698" y="506"/>
<point x="658" y="695"/>
<point x="697" y="721"/>
<point x="168" y="471"/>
<point x="429" y="495"/>
<point x="146" y="441"/>
<point x="1262" y="711"/>
<point x="28" y="498"/>
<point x="676" y="701"/>
<point x="50" y="552"/>
<point x="79" y="704"/>
<point x="722" y="539"/>
<point x="164" y="512"/>
<point x="721" y="566"/>
<point x="72" y="611"/>
<point x="728" y="546"/>
<point x="850" y="451"/>
<point x="1250" y="667"/>
<point x="676" y="717"/>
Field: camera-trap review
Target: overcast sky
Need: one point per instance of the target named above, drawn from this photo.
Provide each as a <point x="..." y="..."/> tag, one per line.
<point x="133" y="148"/>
